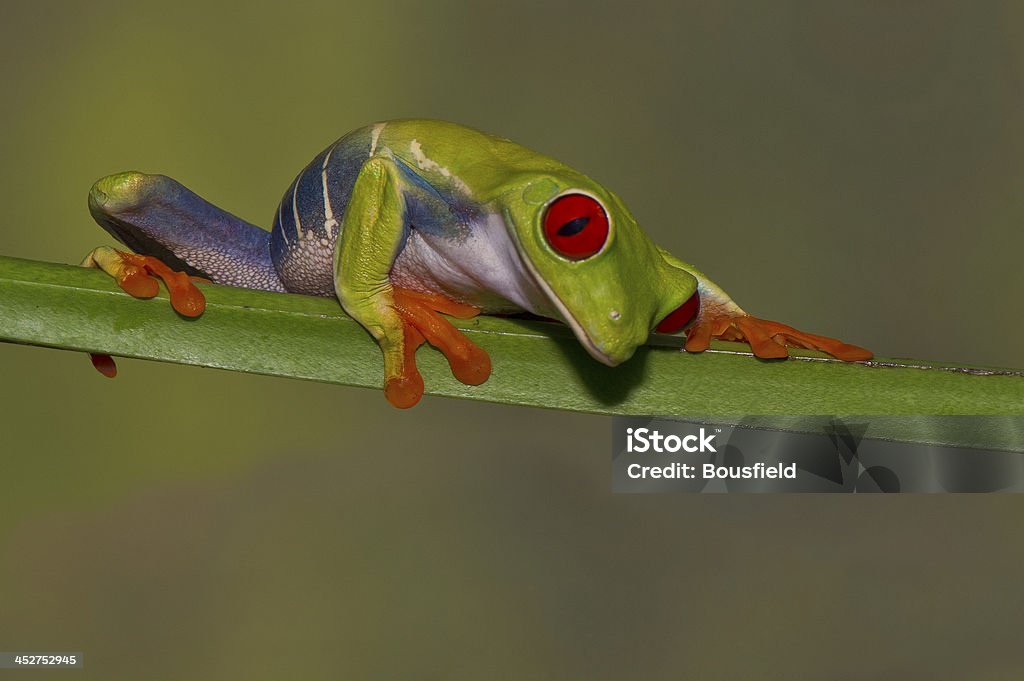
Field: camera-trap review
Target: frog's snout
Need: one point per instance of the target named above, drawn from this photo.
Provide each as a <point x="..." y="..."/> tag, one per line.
<point x="121" y="191"/>
<point x="615" y="353"/>
<point x="613" y="349"/>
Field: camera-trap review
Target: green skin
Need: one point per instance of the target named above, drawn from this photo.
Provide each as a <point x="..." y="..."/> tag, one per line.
<point x="436" y="208"/>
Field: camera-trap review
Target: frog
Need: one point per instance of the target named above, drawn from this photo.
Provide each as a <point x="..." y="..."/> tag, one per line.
<point x="408" y="222"/>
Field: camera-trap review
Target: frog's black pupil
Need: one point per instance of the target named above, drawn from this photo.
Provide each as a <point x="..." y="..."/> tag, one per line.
<point x="573" y="227"/>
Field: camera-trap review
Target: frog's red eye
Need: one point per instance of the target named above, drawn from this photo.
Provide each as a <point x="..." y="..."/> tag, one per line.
<point x="576" y="226"/>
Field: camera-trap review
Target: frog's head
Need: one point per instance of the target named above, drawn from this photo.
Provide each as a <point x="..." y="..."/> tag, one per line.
<point x="602" y="274"/>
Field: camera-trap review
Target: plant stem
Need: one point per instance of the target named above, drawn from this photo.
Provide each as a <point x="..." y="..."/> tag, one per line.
<point x="535" y="363"/>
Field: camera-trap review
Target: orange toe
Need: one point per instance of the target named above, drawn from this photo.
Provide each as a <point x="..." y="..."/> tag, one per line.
<point x="186" y="299"/>
<point x="760" y="342"/>
<point x="136" y="282"/>
<point x="850" y="353"/>
<point x="470" y="364"/>
<point x="767" y="339"/>
<point x="699" y="338"/>
<point x="472" y="368"/>
<point x="406" y="389"/>
<point x="439" y="303"/>
<point x="104" y="364"/>
<point x="832" y="346"/>
<point x="137" y="278"/>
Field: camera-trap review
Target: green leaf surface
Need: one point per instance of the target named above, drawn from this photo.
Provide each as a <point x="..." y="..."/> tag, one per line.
<point x="535" y="363"/>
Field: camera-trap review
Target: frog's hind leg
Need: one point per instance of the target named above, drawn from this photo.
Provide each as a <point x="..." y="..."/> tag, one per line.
<point x="156" y="216"/>
<point x="720" y="317"/>
<point x="177" y="237"/>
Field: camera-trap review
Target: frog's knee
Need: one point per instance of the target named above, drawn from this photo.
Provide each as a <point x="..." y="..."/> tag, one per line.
<point x="122" y="192"/>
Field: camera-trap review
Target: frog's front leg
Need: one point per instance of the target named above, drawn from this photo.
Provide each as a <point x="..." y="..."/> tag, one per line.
<point x="372" y="235"/>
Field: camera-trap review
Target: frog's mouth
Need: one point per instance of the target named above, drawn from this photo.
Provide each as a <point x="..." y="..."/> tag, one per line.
<point x="581" y="334"/>
<point x="563" y="313"/>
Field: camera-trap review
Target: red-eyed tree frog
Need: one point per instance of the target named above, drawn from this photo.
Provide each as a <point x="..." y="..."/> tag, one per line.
<point x="407" y="220"/>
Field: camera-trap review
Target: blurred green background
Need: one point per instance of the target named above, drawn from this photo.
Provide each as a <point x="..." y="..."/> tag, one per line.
<point x="852" y="168"/>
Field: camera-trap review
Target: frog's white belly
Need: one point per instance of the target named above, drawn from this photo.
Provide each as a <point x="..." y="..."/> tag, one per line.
<point x="480" y="266"/>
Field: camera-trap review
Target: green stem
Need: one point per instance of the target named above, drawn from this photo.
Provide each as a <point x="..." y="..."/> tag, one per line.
<point x="535" y="363"/>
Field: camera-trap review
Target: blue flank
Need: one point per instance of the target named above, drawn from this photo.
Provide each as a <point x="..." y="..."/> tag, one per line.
<point x="429" y="209"/>
<point x="347" y="156"/>
<point x="342" y="170"/>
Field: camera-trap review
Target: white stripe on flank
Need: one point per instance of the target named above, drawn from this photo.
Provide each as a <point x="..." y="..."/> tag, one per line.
<point x="295" y="209"/>
<point x="429" y="164"/>
<point x="280" y="222"/>
<point x="375" y="136"/>
<point x="330" y="224"/>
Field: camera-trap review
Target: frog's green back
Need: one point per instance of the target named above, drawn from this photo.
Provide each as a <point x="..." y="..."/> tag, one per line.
<point x="462" y="160"/>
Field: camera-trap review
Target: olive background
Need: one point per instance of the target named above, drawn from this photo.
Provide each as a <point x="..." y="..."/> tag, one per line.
<point x="850" y="168"/>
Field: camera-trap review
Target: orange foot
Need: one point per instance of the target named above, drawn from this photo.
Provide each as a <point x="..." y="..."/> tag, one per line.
<point x="470" y="364"/>
<point x="766" y="338"/>
<point x="137" y="276"/>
